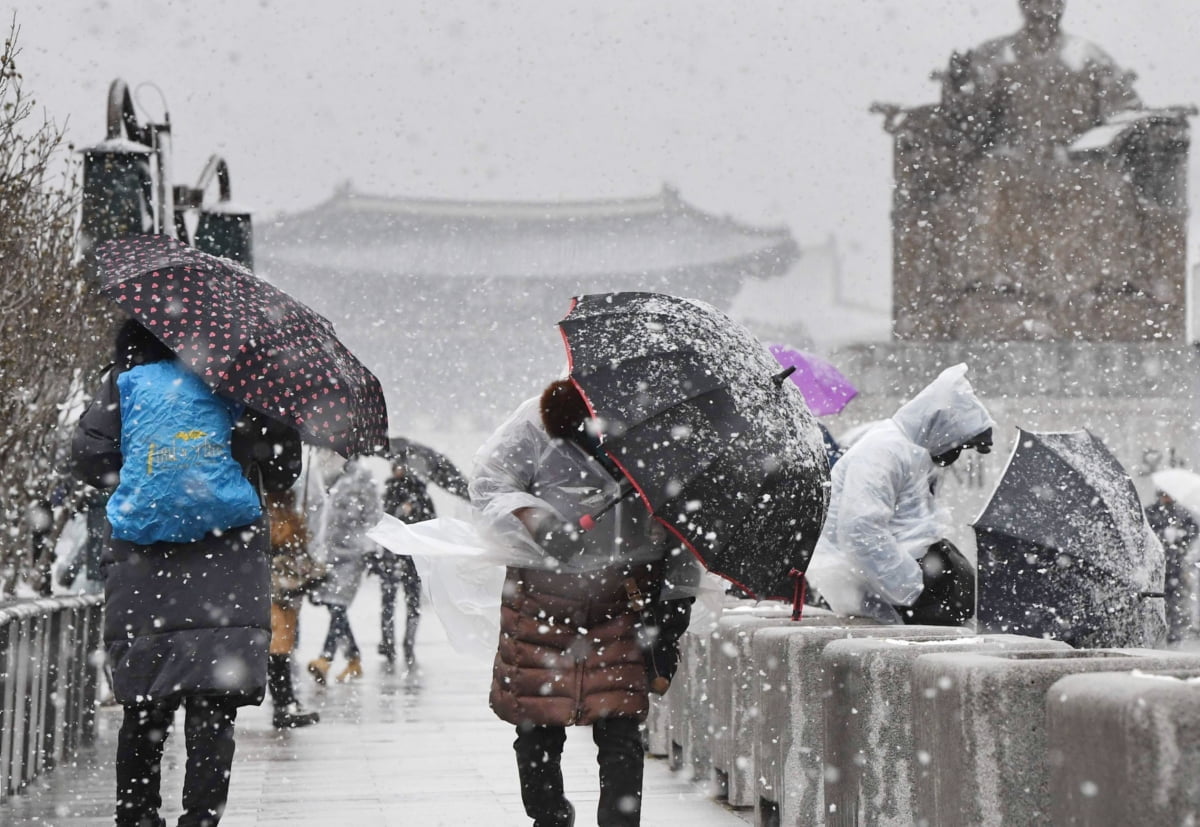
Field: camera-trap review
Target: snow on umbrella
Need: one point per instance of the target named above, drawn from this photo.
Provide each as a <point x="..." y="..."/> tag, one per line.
<point x="1064" y="549"/>
<point x="825" y="388"/>
<point x="696" y="413"/>
<point x="248" y="340"/>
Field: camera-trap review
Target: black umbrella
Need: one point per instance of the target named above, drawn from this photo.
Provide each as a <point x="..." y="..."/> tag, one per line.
<point x="248" y="340"/>
<point x="1063" y="547"/>
<point x="695" y="412"/>
<point x="428" y="464"/>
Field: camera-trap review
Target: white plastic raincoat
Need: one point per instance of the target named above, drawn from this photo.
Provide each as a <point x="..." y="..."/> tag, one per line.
<point x="353" y="507"/>
<point x="521" y="466"/>
<point x="883" y="514"/>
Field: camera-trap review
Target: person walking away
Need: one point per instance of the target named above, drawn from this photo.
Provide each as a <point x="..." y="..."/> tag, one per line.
<point x="882" y="552"/>
<point x="187" y="580"/>
<point x="353" y="507"/>
<point x="573" y="646"/>
<point x="294" y="572"/>
<point x="405" y="497"/>
<point x="1177" y="531"/>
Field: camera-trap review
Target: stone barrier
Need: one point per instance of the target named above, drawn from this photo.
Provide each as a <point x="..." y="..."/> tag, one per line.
<point x="657" y="738"/>
<point x="979" y="722"/>
<point x="789" y="729"/>
<point x="869" y="744"/>
<point x="1124" y="748"/>
<point x="690" y="713"/>
<point x="733" y="688"/>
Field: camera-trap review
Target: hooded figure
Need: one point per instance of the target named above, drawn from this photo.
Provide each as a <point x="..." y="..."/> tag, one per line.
<point x="883" y="512"/>
<point x="354" y="505"/>
<point x="573" y="647"/>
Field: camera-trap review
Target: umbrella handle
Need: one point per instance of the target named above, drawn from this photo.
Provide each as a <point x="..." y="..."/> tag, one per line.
<point x="588" y="521"/>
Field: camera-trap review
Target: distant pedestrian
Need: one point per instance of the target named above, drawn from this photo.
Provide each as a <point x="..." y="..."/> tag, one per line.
<point x="405" y="497"/>
<point x="294" y="573"/>
<point x="82" y="568"/>
<point x="353" y="507"/>
<point x="187" y="580"/>
<point x="1177" y="531"/>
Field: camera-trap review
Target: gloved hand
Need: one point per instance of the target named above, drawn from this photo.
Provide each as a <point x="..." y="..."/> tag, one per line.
<point x="557" y="538"/>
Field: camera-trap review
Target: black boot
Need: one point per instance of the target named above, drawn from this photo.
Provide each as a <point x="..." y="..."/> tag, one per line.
<point x="539" y="752"/>
<point x="621" y="759"/>
<point x="288" y="712"/>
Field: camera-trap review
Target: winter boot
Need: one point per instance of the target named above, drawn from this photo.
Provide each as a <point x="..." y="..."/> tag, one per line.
<point x="319" y="669"/>
<point x="353" y="671"/>
<point x="288" y="712"/>
<point x="293" y="716"/>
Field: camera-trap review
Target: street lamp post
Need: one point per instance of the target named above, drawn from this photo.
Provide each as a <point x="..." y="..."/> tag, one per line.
<point x="127" y="189"/>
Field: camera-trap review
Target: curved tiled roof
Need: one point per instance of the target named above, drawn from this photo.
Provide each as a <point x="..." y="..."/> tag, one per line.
<point x="479" y="239"/>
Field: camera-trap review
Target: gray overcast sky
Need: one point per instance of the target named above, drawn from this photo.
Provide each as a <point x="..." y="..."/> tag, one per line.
<point x="755" y="109"/>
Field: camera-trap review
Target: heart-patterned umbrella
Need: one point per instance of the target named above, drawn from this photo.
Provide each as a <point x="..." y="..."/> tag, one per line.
<point x="248" y="340"/>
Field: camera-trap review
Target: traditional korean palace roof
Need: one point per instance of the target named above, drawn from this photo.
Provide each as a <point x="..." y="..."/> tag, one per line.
<point x="353" y="232"/>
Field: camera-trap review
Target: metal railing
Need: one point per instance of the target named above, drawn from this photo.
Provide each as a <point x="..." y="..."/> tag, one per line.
<point x="48" y="682"/>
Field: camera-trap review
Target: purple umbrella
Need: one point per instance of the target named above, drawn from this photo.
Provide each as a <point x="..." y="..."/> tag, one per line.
<point x="824" y="387"/>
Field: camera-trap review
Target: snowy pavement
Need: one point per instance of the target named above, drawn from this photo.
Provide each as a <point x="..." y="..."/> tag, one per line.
<point x="388" y="751"/>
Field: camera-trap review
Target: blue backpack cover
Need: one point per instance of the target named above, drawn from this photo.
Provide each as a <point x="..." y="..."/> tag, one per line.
<point x="179" y="480"/>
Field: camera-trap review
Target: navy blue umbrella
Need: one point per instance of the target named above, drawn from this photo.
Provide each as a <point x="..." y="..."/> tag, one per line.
<point x="1064" y="550"/>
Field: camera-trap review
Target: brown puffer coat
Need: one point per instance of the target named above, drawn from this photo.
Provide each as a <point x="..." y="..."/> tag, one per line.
<point x="569" y="650"/>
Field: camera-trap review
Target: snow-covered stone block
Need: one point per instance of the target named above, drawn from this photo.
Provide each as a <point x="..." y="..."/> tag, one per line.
<point x="733" y="680"/>
<point x="979" y="722"/>
<point x="789" y="729"/>
<point x="870" y="755"/>
<point x="1124" y="748"/>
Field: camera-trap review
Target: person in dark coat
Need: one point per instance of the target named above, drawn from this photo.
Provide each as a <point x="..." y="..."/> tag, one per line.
<point x="1177" y="531"/>
<point x="574" y="648"/>
<point x="405" y="497"/>
<point x="185" y="624"/>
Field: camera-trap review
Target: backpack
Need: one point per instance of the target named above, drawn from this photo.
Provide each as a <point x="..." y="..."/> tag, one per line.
<point x="179" y="480"/>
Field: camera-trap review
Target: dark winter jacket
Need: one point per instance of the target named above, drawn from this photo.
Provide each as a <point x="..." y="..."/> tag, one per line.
<point x="407" y="498"/>
<point x="189" y="618"/>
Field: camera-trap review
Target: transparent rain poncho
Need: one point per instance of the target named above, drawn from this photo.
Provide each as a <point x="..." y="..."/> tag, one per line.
<point x="883" y="513"/>
<point x="520" y="466"/>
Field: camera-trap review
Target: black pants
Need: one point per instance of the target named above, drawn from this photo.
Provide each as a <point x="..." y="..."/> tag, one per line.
<point x="621" y="759"/>
<point x="339" y="631"/>
<point x="208" y="733"/>
<point x="390" y="587"/>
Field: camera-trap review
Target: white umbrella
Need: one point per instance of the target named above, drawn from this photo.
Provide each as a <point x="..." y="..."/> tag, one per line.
<point x="1181" y="486"/>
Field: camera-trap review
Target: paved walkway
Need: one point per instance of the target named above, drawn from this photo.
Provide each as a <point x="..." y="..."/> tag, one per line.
<point x="389" y="750"/>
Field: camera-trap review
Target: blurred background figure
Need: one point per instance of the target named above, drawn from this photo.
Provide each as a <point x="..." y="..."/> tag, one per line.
<point x="406" y="497"/>
<point x="294" y="573"/>
<point x="1177" y="530"/>
<point x="80" y="568"/>
<point x="353" y="507"/>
